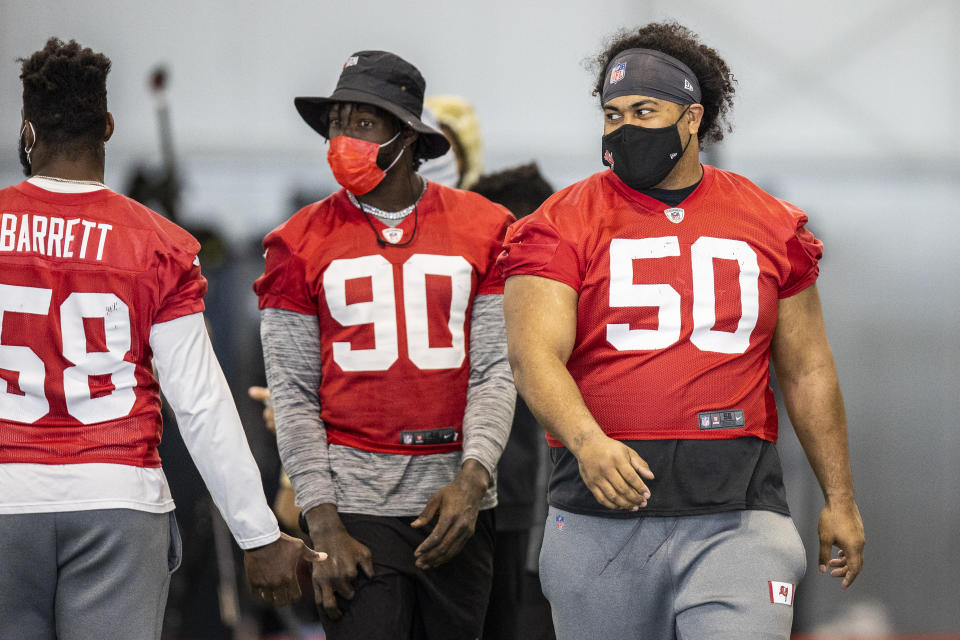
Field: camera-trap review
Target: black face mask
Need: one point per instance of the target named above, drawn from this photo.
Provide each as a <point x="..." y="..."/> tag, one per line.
<point x="642" y="157"/>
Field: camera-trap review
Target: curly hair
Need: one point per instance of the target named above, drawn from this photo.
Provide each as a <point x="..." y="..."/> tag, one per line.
<point x="717" y="83"/>
<point x="65" y="95"/>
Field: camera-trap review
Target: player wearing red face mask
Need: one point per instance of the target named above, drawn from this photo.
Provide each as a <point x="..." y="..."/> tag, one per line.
<point x="382" y="330"/>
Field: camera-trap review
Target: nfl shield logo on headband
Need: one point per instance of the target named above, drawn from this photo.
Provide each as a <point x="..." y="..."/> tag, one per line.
<point x="618" y="72"/>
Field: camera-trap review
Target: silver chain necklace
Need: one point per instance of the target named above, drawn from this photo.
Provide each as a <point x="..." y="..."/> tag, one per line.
<point x="70" y="181"/>
<point x="387" y="215"/>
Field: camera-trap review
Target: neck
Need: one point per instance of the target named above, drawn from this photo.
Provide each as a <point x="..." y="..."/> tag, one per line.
<point x="81" y="168"/>
<point x="399" y="189"/>
<point x="687" y="171"/>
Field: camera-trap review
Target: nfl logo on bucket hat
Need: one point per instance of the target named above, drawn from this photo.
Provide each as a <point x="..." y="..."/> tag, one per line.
<point x="384" y="80"/>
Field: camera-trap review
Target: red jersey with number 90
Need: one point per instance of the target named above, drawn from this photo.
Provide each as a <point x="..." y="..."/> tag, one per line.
<point x="83" y="278"/>
<point x="677" y="305"/>
<point x="394" y="317"/>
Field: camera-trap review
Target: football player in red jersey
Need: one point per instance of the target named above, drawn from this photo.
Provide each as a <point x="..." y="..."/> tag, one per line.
<point x="643" y="306"/>
<point x="385" y="349"/>
<point x="95" y="291"/>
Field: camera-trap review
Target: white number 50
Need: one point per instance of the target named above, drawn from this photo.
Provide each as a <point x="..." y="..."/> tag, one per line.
<point x="623" y="293"/>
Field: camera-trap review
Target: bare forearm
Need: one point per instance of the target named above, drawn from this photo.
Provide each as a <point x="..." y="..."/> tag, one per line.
<point x="815" y="405"/>
<point x="554" y="398"/>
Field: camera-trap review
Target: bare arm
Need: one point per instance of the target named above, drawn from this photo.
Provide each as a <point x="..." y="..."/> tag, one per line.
<point x="541" y="317"/>
<point x="811" y="391"/>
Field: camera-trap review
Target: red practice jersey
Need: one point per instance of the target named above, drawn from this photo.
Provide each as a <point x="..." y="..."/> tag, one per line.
<point x="677" y="305"/>
<point x="394" y="318"/>
<point x="83" y="278"/>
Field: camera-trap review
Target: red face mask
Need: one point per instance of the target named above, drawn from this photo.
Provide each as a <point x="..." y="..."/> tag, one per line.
<point x="354" y="163"/>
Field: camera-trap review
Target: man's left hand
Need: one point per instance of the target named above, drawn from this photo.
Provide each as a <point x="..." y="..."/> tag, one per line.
<point x="272" y="569"/>
<point x="455" y="509"/>
<point x="841" y="527"/>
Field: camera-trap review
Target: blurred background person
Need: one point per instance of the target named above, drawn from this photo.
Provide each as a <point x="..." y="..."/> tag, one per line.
<point x="458" y="122"/>
<point x="517" y="607"/>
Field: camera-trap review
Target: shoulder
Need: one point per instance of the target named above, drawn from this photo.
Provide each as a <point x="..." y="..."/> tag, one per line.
<point x="170" y="237"/>
<point x="311" y="220"/>
<point x="570" y="209"/>
<point x="744" y="192"/>
<point x="460" y="202"/>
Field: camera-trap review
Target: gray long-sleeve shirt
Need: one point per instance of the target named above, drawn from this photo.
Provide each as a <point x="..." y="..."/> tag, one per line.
<point x="367" y="482"/>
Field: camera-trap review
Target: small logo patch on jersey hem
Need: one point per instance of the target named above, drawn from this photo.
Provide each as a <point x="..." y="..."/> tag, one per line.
<point x="674" y="214"/>
<point x="446" y="435"/>
<point x="392" y="234"/>
<point x="726" y="419"/>
<point x="781" y="592"/>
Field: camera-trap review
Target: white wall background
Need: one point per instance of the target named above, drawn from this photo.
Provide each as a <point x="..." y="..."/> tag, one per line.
<point x="847" y="109"/>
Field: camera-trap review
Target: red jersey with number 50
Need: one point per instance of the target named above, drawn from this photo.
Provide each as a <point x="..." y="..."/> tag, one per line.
<point x="677" y="305"/>
<point x="394" y="318"/>
<point x="83" y="278"/>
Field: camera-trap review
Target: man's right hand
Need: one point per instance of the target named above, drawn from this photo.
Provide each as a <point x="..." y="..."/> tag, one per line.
<point x="344" y="555"/>
<point x="613" y="472"/>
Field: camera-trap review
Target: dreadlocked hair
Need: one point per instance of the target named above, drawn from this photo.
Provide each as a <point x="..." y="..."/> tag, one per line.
<point x="65" y="95"/>
<point x="717" y="83"/>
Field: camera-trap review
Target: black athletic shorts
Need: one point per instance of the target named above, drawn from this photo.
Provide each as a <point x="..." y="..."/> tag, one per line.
<point x="403" y="602"/>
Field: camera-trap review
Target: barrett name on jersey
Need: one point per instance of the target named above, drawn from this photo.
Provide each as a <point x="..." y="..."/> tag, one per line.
<point x="677" y="305"/>
<point x="393" y="306"/>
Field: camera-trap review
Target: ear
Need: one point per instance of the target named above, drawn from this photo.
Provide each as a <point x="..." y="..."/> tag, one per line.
<point x="409" y="136"/>
<point x="29" y="134"/>
<point x="108" y="130"/>
<point x="693" y="117"/>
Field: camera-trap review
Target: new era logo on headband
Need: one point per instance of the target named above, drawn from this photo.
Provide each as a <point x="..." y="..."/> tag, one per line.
<point x="618" y="72"/>
<point x="687" y="85"/>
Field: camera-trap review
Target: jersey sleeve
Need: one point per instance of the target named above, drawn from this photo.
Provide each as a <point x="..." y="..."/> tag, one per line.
<point x="283" y="284"/>
<point x="492" y="282"/>
<point x="804" y="251"/>
<point x="181" y="284"/>
<point x="534" y="246"/>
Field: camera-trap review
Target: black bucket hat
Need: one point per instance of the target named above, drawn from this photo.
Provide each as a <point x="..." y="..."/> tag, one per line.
<point x="382" y="79"/>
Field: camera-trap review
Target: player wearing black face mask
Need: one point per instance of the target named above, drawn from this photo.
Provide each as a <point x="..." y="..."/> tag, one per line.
<point x="644" y="306"/>
<point x="643" y="156"/>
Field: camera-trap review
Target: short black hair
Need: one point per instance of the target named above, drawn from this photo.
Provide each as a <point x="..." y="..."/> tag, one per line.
<point x="520" y="189"/>
<point x="65" y="95"/>
<point x="717" y="83"/>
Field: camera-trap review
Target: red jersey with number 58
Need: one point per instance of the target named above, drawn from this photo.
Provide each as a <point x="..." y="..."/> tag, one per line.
<point x="83" y="278"/>
<point x="393" y="306"/>
<point x="677" y="305"/>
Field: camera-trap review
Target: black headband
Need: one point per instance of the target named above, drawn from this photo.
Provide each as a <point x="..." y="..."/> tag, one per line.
<point x="646" y="72"/>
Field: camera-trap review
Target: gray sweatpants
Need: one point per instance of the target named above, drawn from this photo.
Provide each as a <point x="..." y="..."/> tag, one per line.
<point x="719" y="576"/>
<point x="80" y="575"/>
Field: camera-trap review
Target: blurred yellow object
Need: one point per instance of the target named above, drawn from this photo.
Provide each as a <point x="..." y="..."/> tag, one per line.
<point x="457" y="117"/>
